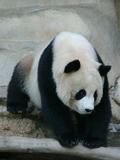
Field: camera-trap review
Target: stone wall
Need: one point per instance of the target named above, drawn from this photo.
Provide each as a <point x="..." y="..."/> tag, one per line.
<point x="27" y="27"/>
<point x="117" y="6"/>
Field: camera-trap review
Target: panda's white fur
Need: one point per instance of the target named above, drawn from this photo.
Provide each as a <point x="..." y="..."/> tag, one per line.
<point x="31" y="83"/>
<point x="66" y="48"/>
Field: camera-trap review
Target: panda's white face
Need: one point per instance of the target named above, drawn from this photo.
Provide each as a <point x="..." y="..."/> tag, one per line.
<point x="87" y="96"/>
<point x="80" y="91"/>
<point x="85" y="104"/>
<point x="75" y="72"/>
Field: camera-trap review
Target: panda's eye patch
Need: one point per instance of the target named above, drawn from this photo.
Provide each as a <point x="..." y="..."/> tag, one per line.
<point x="95" y="95"/>
<point x="79" y="95"/>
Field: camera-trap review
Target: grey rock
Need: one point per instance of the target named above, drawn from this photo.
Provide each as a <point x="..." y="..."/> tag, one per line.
<point x="27" y="28"/>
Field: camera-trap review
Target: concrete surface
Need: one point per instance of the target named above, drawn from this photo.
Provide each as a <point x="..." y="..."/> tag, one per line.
<point x="27" y="145"/>
<point x="117" y="5"/>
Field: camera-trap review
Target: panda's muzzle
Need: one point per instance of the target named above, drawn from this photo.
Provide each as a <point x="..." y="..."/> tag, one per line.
<point x="85" y="105"/>
<point x="83" y="111"/>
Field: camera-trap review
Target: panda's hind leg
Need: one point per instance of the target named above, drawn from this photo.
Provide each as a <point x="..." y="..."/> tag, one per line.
<point x="17" y="99"/>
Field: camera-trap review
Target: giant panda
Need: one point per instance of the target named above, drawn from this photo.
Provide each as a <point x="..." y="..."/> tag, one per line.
<point x="67" y="79"/>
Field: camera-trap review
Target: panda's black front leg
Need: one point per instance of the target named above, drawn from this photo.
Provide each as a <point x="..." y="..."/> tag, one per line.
<point x="97" y="127"/>
<point x="81" y="127"/>
<point x="60" y="121"/>
<point x="95" y="137"/>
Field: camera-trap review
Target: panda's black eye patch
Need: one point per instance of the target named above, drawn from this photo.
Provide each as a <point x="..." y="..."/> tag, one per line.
<point x="79" y="95"/>
<point x="95" y="95"/>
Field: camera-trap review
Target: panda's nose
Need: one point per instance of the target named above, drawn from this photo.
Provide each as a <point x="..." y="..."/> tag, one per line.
<point x="88" y="110"/>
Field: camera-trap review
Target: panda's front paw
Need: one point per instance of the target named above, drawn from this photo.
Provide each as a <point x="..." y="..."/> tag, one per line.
<point x="68" y="140"/>
<point x="16" y="109"/>
<point x="93" y="143"/>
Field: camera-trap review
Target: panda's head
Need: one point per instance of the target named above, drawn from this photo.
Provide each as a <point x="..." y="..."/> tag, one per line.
<point x="78" y="75"/>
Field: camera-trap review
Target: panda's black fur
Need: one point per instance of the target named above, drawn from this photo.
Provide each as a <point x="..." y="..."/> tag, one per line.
<point x="91" y="129"/>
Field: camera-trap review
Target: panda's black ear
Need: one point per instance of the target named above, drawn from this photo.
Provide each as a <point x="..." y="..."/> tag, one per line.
<point x="104" y="69"/>
<point x="72" y="66"/>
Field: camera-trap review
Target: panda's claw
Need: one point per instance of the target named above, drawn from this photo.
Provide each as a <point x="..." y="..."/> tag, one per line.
<point x="68" y="140"/>
<point x="16" y="109"/>
<point x="93" y="143"/>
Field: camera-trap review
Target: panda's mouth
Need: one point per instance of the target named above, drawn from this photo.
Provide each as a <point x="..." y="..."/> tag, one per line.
<point x="80" y="110"/>
<point x="83" y="111"/>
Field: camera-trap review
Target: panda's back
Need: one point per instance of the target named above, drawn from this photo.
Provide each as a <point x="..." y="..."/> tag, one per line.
<point x="31" y="82"/>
